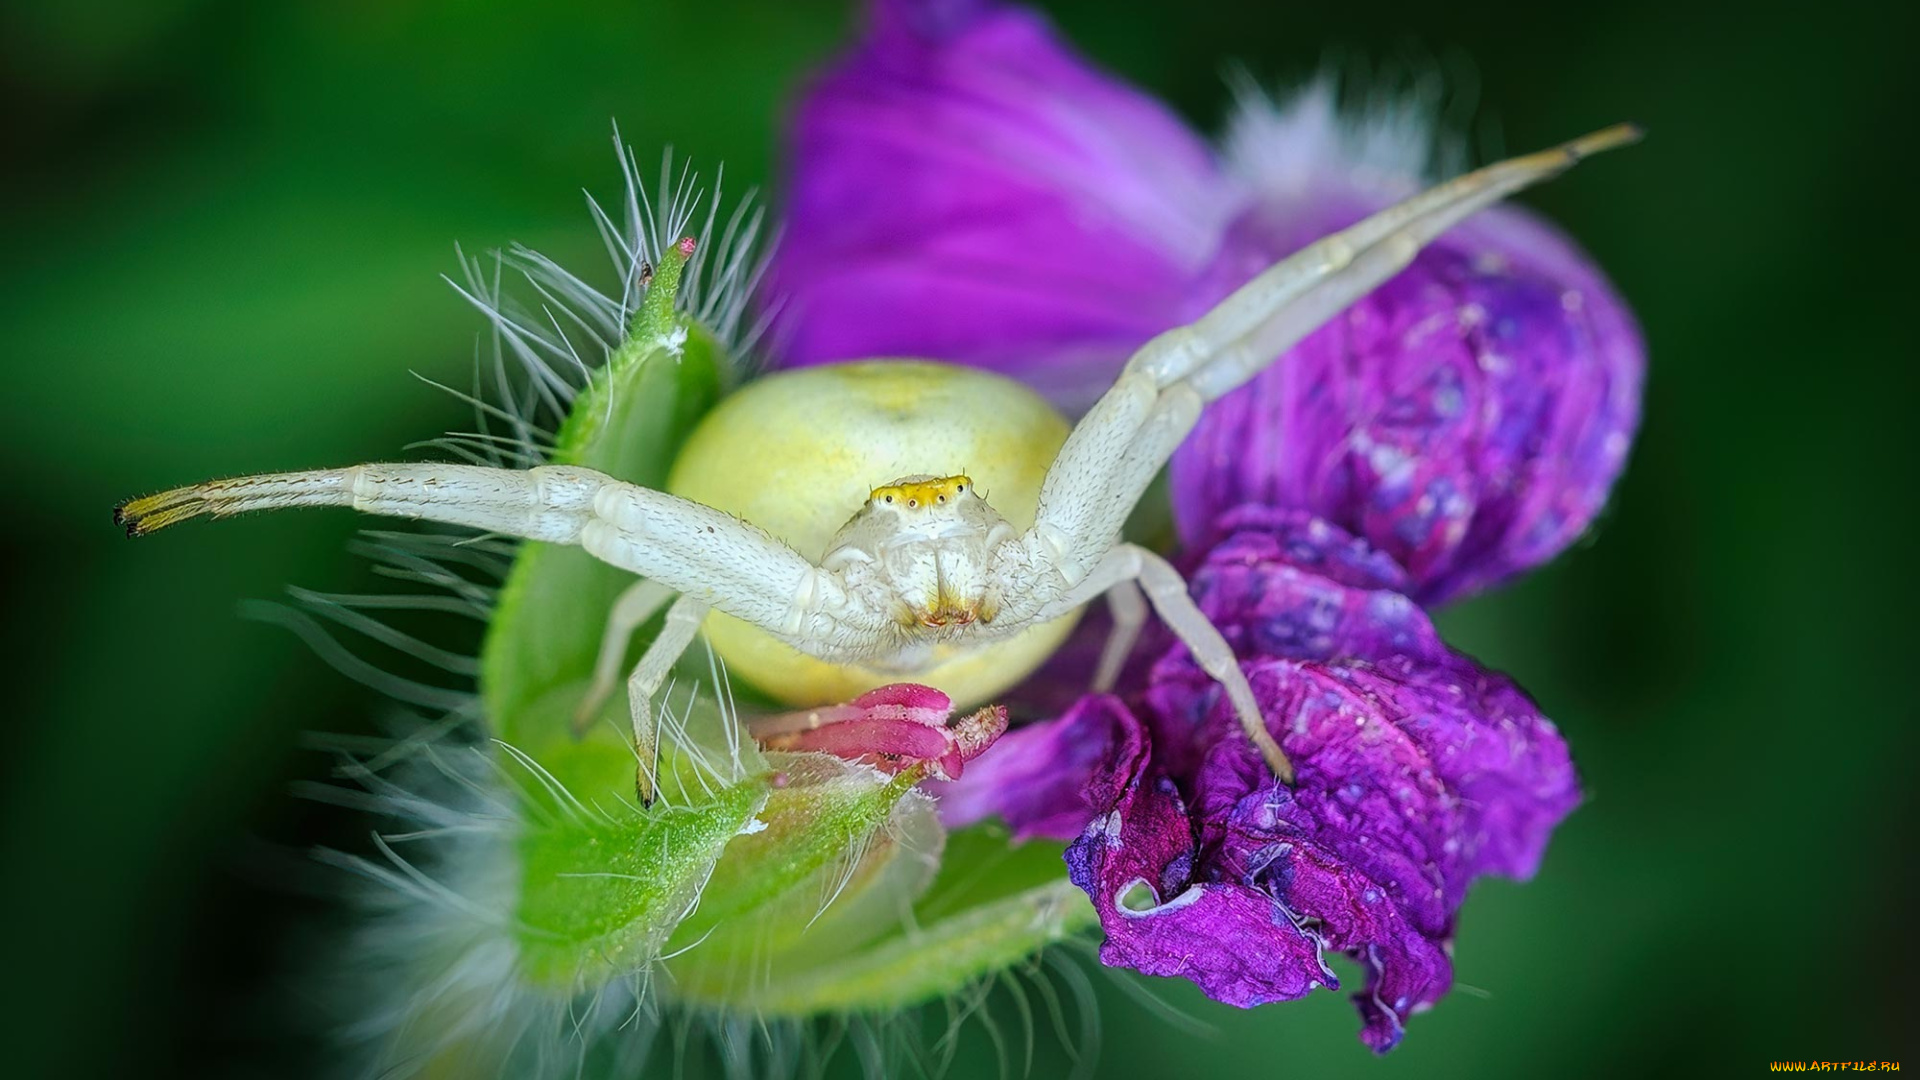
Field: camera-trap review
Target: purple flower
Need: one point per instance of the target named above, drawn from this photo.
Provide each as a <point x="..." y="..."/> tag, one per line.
<point x="965" y="188"/>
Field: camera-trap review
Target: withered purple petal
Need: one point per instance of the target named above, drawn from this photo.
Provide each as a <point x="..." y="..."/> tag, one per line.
<point x="1163" y="915"/>
<point x="965" y="188"/>
<point x="1418" y="772"/>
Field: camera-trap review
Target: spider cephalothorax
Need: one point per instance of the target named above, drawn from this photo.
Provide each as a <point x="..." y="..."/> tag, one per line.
<point x="927" y="562"/>
<point x="926" y="543"/>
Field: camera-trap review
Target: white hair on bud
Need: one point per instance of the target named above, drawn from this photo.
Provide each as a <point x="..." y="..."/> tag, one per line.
<point x="1385" y="136"/>
<point x="429" y="983"/>
<point x="539" y="350"/>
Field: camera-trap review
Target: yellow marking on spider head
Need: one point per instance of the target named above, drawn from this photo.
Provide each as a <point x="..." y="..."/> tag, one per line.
<point x="921" y="493"/>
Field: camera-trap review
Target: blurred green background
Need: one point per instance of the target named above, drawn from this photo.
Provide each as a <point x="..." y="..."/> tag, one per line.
<point x="224" y="223"/>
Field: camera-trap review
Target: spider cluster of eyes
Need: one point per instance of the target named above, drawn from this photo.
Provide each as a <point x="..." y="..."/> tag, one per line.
<point x="915" y="493"/>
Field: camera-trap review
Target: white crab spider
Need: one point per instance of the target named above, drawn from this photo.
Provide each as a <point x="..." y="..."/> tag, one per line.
<point x="927" y="560"/>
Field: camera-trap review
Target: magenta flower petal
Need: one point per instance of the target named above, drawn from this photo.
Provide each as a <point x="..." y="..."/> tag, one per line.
<point x="1418" y="772"/>
<point x="965" y="188"/>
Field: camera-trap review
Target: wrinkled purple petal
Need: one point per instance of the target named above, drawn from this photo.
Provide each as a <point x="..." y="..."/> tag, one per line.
<point x="1417" y="772"/>
<point x="1468" y="418"/>
<point x="1234" y="942"/>
<point x="965" y="188"/>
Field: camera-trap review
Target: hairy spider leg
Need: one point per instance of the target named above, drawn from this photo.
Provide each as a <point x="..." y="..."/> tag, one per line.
<point x="1270" y="314"/>
<point x="710" y="557"/>
<point x="1114" y="452"/>
<point x="689" y="548"/>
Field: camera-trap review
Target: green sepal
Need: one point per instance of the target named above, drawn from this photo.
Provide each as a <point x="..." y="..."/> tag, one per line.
<point x="601" y="891"/>
<point x="629" y="422"/>
<point x="938" y="960"/>
<point x="846" y="849"/>
<point x="992" y="905"/>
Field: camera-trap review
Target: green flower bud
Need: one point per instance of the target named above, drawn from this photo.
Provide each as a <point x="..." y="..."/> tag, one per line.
<point x="559" y="919"/>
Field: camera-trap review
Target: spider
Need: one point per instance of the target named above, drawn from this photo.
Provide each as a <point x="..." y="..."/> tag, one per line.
<point x="927" y="561"/>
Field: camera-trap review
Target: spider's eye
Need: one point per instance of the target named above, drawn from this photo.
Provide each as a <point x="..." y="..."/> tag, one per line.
<point x="889" y="500"/>
<point x="940" y="498"/>
<point x="913" y="503"/>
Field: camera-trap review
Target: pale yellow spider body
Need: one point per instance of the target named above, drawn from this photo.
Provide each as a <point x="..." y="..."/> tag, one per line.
<point x="798" y="453"/>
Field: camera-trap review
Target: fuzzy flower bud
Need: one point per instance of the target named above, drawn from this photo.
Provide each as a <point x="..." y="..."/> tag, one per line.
<point x="539" y="915"/>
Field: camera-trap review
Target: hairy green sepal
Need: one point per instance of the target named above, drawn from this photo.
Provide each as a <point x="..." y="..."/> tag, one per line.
<point x="599" y="895"/>
<point x="628" y="422"/>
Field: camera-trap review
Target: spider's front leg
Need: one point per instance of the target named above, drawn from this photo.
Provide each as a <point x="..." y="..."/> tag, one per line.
<point x="1069" y="556"/>
<point x="708" y="556"/>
